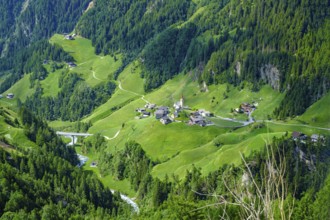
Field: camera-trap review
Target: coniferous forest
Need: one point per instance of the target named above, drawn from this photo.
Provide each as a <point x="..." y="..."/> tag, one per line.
<point x="45" y="183"/>
<point x="231" y="47"/>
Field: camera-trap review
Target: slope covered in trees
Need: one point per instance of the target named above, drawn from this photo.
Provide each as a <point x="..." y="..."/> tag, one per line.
<point x="44" y="182"/>
<point x="24" y="22"/>
<point x="131" y="24"/>
<point x="75" y="100"/>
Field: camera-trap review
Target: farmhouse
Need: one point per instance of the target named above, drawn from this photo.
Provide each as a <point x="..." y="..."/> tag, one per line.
<point x="315" y="138"/>
<point x="165" y="120"/>
<point x="145" y="113"/>
<point x="150" y="106"/>
<point x="71" y="64"/>
<point x="197" y="120"/>
<point x="10" y="96"/>
<point x="196" y="113"/>
<point x="159" y="114"/>
<point x="204" y="113"/>
<point x="69" y="37"/>
<point x="298" y="136"/>
<point x="246" y="107"/>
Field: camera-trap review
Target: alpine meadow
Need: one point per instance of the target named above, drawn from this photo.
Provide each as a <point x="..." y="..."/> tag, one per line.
<point x="176" y="109"/>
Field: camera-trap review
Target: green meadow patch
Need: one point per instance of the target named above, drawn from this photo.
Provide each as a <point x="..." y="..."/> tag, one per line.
<point x="21" y="89"/>
<point x="15" y="136"/>
<point x="318" y="114"/>
<point x="91" y="67"/>
<point x="50" y="84"/>
<point x="210" y="157"/>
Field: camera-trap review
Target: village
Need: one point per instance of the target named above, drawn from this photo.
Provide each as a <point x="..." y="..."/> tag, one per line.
<point x="201" y="117"/>
<point x="181" y="113"/>
<point x="178" y="114"/>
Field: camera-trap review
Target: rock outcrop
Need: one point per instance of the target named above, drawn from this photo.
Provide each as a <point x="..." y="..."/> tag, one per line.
<point x="271" y="75"/>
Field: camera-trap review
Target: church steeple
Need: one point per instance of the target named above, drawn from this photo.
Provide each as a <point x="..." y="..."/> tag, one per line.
<point x="181" y="101"/>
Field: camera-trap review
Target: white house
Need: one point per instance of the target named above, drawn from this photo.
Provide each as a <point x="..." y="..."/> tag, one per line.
<point x="10" y="96"/>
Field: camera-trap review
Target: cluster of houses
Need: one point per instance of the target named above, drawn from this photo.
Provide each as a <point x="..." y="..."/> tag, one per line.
<point x="9" y="96"/>
<point x="246" y="108"/>
<point x="163" y="113"/>
<point x="299" y="136"/>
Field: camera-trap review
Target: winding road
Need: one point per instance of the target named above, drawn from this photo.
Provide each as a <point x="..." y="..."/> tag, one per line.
<point x="250" y="121"/>
<point x="95" y="77"/>
<point x="244" y="123"/>
<point x="142" y="96"/>
<point x="307" y="126"/>
<point x="115" y="136"/>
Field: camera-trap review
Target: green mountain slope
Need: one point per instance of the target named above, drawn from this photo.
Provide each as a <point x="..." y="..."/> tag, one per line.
<point x="116" y="119"/>
<point x="281" y="43"/>
<point x="216" y="55"/>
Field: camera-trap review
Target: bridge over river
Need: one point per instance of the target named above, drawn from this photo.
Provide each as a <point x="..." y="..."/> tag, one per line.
<point x="73" y="136"/>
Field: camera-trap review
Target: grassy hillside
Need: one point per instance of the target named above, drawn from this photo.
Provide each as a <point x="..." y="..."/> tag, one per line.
<point x="210" y="157"/>
<point x="318" y="113"/>
<point x="22" y="89"/>
<point x="50" y="84"/>
<point x="91" y="67"/>
<point x="12" y="133"/>
<point x="129" y="79"/>
<point x="178" y="146"/>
